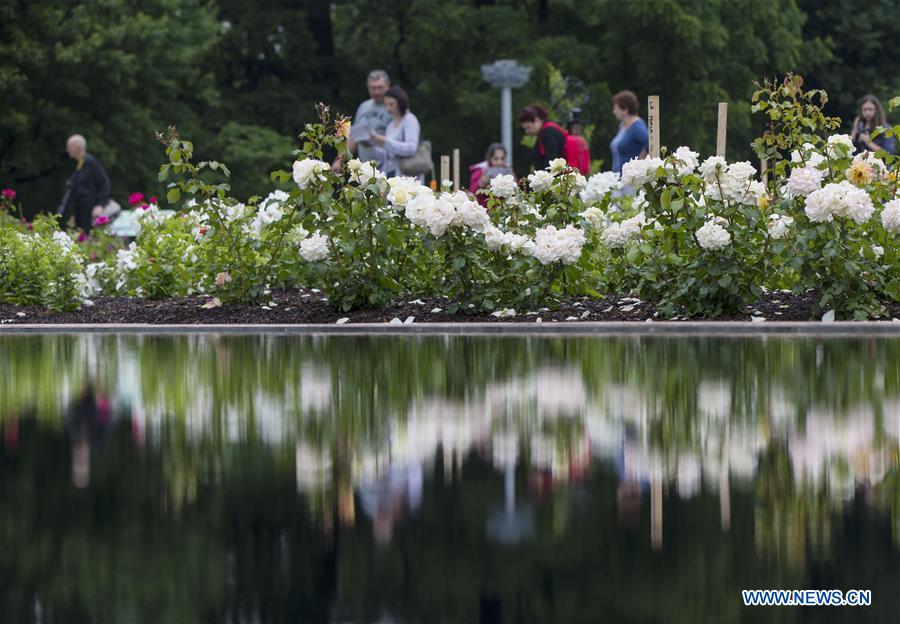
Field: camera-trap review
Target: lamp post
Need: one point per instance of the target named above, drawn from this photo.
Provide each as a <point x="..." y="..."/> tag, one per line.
<point x="507" y="74"/>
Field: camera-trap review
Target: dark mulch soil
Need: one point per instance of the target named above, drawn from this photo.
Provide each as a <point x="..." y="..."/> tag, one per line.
<point x="309" y="306"/>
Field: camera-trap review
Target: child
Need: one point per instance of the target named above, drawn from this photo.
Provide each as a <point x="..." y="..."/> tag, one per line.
<point x="481" y="174"/>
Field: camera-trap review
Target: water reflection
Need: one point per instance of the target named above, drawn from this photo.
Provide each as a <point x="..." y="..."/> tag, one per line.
<point x="313" y="479"/>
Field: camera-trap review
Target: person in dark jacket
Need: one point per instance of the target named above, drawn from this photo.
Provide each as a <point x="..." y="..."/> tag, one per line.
<point x="88" y="188"/>
<point x="551" y="139"/>
<point x="870" y="116"/>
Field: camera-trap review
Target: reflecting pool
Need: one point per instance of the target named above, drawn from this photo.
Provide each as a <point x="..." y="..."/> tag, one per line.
<point x="221" y="478"/>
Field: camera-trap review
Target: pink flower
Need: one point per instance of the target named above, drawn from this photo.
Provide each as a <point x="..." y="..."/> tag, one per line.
<point x="82" y="237"/>
<point x="9" y="193"/>
<point x="144" y="206"/>
<point x="31" y="226"/>
<point x="101" y="220"/>
<point x="135" y="198"/>
<point x="154" y="200"/>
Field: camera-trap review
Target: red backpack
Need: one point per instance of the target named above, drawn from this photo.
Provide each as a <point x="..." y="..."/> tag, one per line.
<point x="575" y="149"/>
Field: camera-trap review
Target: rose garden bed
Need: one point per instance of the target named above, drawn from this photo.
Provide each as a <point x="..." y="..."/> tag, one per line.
<point x="814" y="237"/>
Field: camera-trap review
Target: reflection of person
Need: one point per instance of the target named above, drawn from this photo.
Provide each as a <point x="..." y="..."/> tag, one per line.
<point x="89" y="420"/>
<point x="870" y="116"/>
<point x="632" y="140"/>
<point x="494" y="164"/>
<point x="401" y="137"/>
<point x="371" y="116"/>
<point x="388" y="498"/>
<point x="88" y="188"/>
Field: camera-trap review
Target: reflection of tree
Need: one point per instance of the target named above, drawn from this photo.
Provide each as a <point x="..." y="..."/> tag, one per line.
<point x="776" y="441"/>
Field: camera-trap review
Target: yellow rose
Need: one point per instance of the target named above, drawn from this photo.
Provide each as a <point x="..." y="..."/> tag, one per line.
<point x="860" y="173"/>
<point x="342" y="128"/>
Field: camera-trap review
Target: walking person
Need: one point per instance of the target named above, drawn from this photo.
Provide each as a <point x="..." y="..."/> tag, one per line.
<point x="551" y="139"/>
<point x="632" y="140"/>
<point x="401" y="137"/>
<point x="87" y="189"/>
<point x="869" y="116"/>
<point x="372" y="117"/>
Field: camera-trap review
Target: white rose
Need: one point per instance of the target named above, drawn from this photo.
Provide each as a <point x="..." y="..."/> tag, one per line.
<point x="554" y="245"/>
<point x="558" y="166"/>
<point x="804" y="180"/>
<point x="309" y="171"/>
<point x="778" y="225"/>
<point x="363" y="172"/>
<point x="819" y="205"/>
<point x="540" y="180"/>
<point x="613" y="237"/>
<point x="599" y="186"/>
<point x="638" y="171"/>
<point x="439" y="214"/>
<point x="519" y="242"/>
<point x="418" y="207"/>
<point x="471" y="214"/>
<point x="857" y="203"/>
<point x="713" y="236"/>
<point x="494" y="238"/>
<point x="594" y="216"/>
<point x="314" y="248"/>
<point x="688" y="160"/>
<point x="742" y="171"/>
<point x="503" y="186"/>
<point x="711" y="166"/>
<point x="841" y="139"/>
<point x="890" y="216"/>
<point x="402" y="189"/>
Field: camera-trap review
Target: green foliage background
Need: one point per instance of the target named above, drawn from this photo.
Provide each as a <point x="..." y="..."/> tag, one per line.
<point x="240" y="77"/>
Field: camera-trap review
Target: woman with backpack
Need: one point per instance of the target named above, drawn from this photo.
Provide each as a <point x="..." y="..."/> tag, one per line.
<point x="401" y="137"/>
<point x="552" y="141"/>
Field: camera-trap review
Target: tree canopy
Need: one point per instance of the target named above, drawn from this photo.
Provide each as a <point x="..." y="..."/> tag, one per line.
<point x="240" y="77"/>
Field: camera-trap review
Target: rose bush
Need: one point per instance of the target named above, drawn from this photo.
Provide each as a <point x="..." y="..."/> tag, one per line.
<point x="699" y="237"/>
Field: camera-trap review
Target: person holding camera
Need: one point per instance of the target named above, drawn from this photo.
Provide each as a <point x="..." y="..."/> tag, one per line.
<point x="870" y="116"/>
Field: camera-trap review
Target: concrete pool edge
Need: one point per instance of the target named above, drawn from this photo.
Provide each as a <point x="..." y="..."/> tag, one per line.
<point x="562" y="328"/>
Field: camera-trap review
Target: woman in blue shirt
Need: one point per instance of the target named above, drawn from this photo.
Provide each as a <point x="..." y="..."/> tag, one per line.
<point x="632" y="140"/>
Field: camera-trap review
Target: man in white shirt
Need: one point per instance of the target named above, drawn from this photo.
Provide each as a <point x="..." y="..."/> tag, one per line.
<point x="371" y="117"/>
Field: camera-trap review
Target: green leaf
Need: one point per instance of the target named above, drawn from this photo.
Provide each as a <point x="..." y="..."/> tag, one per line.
<point x="173" y="195"/>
